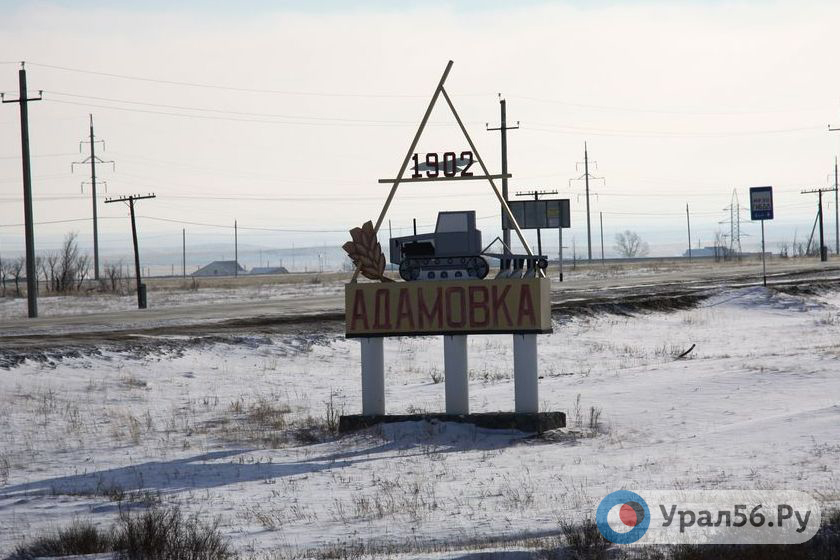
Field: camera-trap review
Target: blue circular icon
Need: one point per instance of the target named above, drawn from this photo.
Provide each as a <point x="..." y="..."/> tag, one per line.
<point x="633" y="513"/>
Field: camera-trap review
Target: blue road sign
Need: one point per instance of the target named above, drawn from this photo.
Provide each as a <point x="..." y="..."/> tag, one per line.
<point x="761" y="203"/>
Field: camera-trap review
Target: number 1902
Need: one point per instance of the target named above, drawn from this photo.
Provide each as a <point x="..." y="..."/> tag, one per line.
<point x="449" y="165"/>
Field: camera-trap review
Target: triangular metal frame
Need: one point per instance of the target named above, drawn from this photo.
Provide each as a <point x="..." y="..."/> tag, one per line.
<point x="439" y="90"/>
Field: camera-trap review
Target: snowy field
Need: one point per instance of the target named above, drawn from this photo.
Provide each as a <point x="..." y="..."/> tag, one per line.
<point x="95" y="302"/>
<point x="234" y="429"/>
<point x="168" y="292"/>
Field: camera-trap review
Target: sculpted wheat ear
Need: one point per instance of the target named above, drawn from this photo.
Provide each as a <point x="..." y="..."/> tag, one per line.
<point x="366" y="252"/>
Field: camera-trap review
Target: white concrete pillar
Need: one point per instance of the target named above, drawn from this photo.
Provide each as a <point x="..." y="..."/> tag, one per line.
<point x="525" y="375"/>
<point x="373" y="376"/>
<point x="457" y="374"/>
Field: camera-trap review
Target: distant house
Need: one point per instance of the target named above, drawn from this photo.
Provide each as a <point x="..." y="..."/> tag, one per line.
<point x="269" y="270"/>
<point x="220" y="268"/>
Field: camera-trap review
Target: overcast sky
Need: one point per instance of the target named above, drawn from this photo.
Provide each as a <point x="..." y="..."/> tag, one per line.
<point x="283" y="115"/>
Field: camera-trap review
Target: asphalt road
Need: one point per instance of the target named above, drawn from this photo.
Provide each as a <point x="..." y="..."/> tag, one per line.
<point x="326" y="311"/>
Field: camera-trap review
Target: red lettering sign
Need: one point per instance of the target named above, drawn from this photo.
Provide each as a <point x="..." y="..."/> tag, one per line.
<point x="424" y="312"/>
<point x="451" y="322"/>
<point x="479" y="304"/>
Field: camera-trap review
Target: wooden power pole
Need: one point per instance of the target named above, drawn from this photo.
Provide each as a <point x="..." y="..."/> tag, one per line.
<point x="141" y="289"/>
<point x="29" y="224"/>
<point x="503" y="128"/>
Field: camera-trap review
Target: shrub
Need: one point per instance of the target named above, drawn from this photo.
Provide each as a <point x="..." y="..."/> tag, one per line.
<point x="81" y="537"/>
<point x="151" y="534"/>
<point x="166" y="533"/>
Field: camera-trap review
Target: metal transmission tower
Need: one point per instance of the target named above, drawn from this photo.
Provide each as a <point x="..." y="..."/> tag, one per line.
<point x="503" y="128"/>
<point x="536" y="194"/>
<point x="734" y="222"/>
<point x="29" y="224"/>
<point x="141" y="289"/>
<point x="823" y="248"/>
<point x="586" y="177"/>
<point x="92" y="159"/>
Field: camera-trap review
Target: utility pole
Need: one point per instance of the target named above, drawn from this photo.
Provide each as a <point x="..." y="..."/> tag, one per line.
<point x="141" y="289"/>
<point x="560" y="251"/>
<point x="390" y="236"/>
<point x="586" y="177"/>
<point x="184" y="251"/>
<point x="601" y="216"/>
<point x="235" y="248"/>
<point x="93" y="160"/>
<point x="29" y="224"/>
<point x="823" y="248"/>
<point x="503" y="128"/>
<point x="836" y="203"/>
<point x="536" y="194"/>
<point x="688" y="224"/>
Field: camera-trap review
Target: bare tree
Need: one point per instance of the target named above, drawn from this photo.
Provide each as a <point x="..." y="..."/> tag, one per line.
<point x="114" y="274"/>
<point x="82" y="270"/>
<point x="629" y="244"/>
<point x="65" y="270"/>
<point x="16" y="270"/>
<point x="67" y="262"/>
<point x="39" y="267"/>
<point x="52" y="265"/>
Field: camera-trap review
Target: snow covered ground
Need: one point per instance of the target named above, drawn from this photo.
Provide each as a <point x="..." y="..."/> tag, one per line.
<point x="96" y="302"/>
<point x="221" y="427"/>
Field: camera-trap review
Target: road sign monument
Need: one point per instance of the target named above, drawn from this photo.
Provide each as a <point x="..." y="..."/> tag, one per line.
<point x="447" y="288"/>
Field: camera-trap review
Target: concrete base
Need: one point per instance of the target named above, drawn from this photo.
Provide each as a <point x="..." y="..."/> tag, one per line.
<point x="536" y="422"/>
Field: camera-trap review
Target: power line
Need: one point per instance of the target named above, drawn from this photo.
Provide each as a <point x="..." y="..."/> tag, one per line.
<point x="660" y="111"/>
<point x="665" y="134"/>
<point x="204" y="224"/>
<point x="37" y="177"/>
<point x="67" y="221"/>
<point x="302" y="120"/>
<point x="229" y="112"/>
<point x="66" y="154"/>
<point x="220" y="118"/>
<point x="233" y="88"/>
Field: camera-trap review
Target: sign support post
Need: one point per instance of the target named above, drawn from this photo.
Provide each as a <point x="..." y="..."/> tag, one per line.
<point x="525" y="373"/>
<point x="456" y="370"/>
<point x="763" y="256"/>
<point x="373" y="376"/>
<point x="560" y="229"/>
